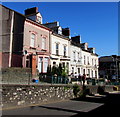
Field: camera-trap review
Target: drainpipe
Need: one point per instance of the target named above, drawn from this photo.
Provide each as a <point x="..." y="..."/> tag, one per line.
<point x="11" y="38"/>
<point x="50" y="42"/>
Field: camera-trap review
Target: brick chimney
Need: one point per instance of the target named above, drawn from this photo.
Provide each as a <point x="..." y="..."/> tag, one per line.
<point x="33" y="14"/>
<point x="66" y="31"/>
<point x="31" y="11"/>
<point x="76" y="39"/>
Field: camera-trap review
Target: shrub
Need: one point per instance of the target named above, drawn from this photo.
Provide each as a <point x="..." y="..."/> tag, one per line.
<point x="76" y="90"/>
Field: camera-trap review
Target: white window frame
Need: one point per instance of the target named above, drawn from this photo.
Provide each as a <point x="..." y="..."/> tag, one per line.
<point x="84" y="60"/>
<point x="74" y="56"/>
<point x="57" y="49"/>
<point x="65" y="50"/>
<point x="32" y="40"/>
<point x="44" y="43"/>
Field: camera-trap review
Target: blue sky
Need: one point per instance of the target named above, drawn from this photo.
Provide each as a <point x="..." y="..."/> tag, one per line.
<point x="96" y="22"/>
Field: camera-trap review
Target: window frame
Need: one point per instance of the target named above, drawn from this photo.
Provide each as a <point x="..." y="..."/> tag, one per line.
<point x="43" y="41"/>
<point x="64" y="50"/>
<point x="57" y="48"/>
<point x="32" y="40"/>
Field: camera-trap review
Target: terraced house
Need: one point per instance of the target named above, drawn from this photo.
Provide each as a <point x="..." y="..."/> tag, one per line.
<point x="25" y="42"/>
<point x="59" y="45"/>
<point x="84" y="60"/>
<point x="28" y="43"/>
<point x="36" y="42"/>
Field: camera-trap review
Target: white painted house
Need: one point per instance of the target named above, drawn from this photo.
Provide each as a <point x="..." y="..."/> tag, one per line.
<point x="71" y="53"/>
<point x="84" y="60"/>
<point x="59" y="45"/>
<point x="76" y="59"/>
<point x="59" y="50"/>
<point x="89" y="64"/>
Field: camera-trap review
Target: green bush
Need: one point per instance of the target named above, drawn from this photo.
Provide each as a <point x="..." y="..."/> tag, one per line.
<point x="76" y="90"/>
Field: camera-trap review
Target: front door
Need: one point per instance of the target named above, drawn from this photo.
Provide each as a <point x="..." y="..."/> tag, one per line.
<point x="33" y="64"/>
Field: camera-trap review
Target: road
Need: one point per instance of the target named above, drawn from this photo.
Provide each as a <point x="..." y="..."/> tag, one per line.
<point x="68" y="108"/>
<point x="71" y="108"/>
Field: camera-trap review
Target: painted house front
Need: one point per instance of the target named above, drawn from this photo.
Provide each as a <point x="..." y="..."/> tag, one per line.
<point x="90" y="64"/>
<point x="59" y="51"/>
<point x="59" y="45"/>
<point x="84" y="60"/>
<point x="76" y="59"/>
<point x="36" y="46"/>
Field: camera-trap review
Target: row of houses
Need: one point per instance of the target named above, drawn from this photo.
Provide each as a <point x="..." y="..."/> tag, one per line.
<point x="27" y="42"/>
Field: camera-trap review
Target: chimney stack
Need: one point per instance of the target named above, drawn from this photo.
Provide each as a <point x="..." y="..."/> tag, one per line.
<point x="31" y="11"/>
<point x="76" y="39"/>
<point x="66" y="32"/>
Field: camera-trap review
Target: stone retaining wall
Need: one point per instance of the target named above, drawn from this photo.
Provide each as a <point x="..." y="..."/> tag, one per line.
<point x="16" y="75"/>
<point x="22" y="95"/>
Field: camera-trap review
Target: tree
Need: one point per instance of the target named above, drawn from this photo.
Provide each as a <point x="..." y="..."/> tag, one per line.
<point x="64" y="73"/>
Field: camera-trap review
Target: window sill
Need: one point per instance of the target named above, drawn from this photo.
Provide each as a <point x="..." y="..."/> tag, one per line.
<point x="43" y="50"/>
<point x="33" y="48"/>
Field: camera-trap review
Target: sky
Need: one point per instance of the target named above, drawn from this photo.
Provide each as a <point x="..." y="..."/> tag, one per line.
<point x="96" y="22"/>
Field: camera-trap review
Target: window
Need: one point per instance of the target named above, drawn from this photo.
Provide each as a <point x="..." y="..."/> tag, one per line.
<point x="89" y="72"/>
<point x="95" y="74"/>
<point x="43" y="43"/>
<point x="63" y="64"/>
<point x="45" y="64"/>
<point x="95" y="62"/>
<point x="92" y="73"/>
<point x="67" y="67"/>
<point x="88" y="60"/>
<point x="57" y="49"/>
<point x="54" y="63"/>
<point x="74" y="57"/>
<point x="60" y="30"/>
<point x="29" y="61"/>
<point x="78" y="57"/>
<point x="39" y="19"/>
<point x="32" y="41"/>
<point x="84" y="60"/>
<point x="72" y="69"/>
<point x="92" y="61"/>
<point x="83" y="71"/>
<point x="78" y="70"/>
<point x="64" y="50"/>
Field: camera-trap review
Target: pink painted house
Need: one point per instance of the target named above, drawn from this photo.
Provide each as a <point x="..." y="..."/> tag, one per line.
<point x="36" y="42"/>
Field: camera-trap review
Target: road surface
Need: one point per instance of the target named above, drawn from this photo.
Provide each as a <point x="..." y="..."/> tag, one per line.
<point x="68" y="108"/>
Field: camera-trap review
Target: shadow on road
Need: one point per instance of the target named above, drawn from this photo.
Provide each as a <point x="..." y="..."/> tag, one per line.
<point x="61" y="109"/>
<point x="111" y="102"/>
<point x="110" y="107"/>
